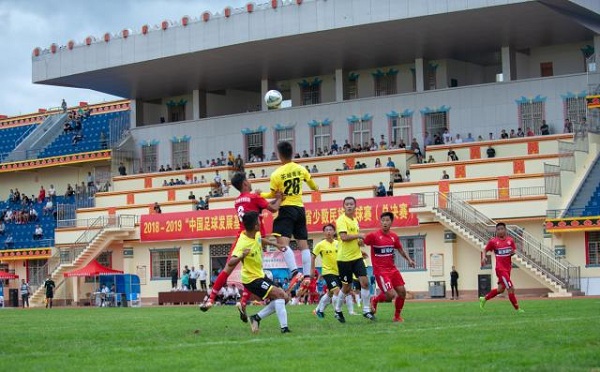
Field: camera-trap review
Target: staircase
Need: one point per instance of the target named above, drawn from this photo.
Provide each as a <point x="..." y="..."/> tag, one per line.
<point x="99" y="235"/>
<point x="537" y="260"/>
<point x="39" y="138"/>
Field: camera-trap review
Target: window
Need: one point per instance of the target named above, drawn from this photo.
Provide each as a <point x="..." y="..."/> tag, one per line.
<point x="286" y="134"/>
<point x="149" y="157"/>
<point x="254" y="144"/>
<point x="321" y="137"/>
<point x="575" y="109"/>
<point x="176" y="113"/>
<point x="546" y="69"/>
<point x="401" y="128"/>
<point x="180" y="153"/>
<point x="218" y="256"/>
<point x="531" y="115"/>
<point x="414" y="246"/>
<point x="361" y="132"/>
<point x="436" y="122"/>
<point x="36" y="272"/>
<point x="162" y="261"/>
<point x="593" y="248"/>
<point x="352" y="89"/>
<point x="385" y="84"/>
<point x="311" y="94"/>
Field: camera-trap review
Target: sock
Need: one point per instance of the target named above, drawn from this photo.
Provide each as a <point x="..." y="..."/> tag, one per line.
<point x="267" y="310"/>
<point x="339" y="301"/>
<point x="398" y="304"/>
<point x="306" y="262"/>
<point x="281" y="312"/>
<point x="245" y="296"/>
<point x="350" y="303"/>
<point x="493" y="293"/>
<point x="358" y="299"/>
<point x="323" y="302"/>
<point x="219" y="283"/>
<point x="364" y="296"/>
<point x="513" y="300"/>
<point x="379" y="298"/>
<point x="290" y="259"/>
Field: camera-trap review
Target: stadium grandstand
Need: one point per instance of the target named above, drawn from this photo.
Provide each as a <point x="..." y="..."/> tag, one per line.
<point x="467" y="113"/>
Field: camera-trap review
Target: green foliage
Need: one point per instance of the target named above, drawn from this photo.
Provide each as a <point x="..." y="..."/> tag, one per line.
<point x="436" y="335"/>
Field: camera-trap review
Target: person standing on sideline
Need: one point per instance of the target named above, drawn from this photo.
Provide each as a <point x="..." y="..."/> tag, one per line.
<point x="291" y="219"/>
<point x="193" y="279"/>
<point x="49" y="285"/>
<point x="350" y="259"/>
<point x="202" y="275"/>
<point x="327" y="249"/>
<point x="454" y="282"/>
<point x="504" y="248"/>
<point x="25" y="292"/>
<point x="389" y="279"/>
<point x="174" y="278"/>
<point x="248" y="250"/>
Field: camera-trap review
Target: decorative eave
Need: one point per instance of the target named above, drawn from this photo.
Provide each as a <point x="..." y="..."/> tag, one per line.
<point x="575" y="224"/>
<point x="25" y="254"/>
<point x="56" y="160"/>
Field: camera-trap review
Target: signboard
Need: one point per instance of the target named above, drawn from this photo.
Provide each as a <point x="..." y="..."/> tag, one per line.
<point x="436" y="264"/>
<point x="224" y="223"/>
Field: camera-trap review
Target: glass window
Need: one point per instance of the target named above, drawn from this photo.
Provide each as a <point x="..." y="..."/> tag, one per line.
<point x="414" y="247"/>
<point x="531" y="115"/>
<point x="180" y="153"/>
<point x="150" y="158"/>
<point x="163" y="261"/>
<point x="385" y="85"/>
<point x="361" y="132"/>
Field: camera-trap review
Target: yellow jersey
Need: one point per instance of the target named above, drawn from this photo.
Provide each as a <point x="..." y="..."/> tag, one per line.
<point x="288" y="179"/>
<point x="328" y="253"/>
<point x="251" y="265"/>
<point x="350" y="250"/>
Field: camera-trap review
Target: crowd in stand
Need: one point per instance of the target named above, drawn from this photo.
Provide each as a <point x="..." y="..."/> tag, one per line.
<point x="74" y="123"/>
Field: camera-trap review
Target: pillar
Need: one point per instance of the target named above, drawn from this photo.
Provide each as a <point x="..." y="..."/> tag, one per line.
<point x="195" y="104"/>
<point x="339" y="85"/>
<point x="509" y="69"/>
<point x="420" y="74"/>
<point x="136" y="112"/>
<point x="264" y="88"/>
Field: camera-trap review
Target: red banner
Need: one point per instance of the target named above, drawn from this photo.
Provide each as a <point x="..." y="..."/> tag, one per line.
<point x="223" y="223"/>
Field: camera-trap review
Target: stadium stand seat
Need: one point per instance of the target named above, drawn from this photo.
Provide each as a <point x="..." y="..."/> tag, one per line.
<point x="10" y="136"/>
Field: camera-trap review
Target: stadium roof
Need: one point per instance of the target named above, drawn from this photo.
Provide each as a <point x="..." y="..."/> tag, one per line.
<point x="475" y="35"/>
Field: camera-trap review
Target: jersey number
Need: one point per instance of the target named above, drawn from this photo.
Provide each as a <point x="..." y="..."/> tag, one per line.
<point x="240" y="213"/>
<point x="292" y="186"/>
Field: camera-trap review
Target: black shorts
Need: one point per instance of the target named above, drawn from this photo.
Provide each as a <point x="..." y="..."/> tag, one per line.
<point x="290" y="221"/>
<point x="260" y="287"/>
<point x="50" y="295"/>
<point x="347" y="268"/>
<point x="332" y="281"/>
<point x="355" y="284"/>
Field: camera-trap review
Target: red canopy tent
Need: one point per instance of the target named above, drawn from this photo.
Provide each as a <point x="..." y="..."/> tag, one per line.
<point x="4" y="275"/>
<point x="92" y="269"/>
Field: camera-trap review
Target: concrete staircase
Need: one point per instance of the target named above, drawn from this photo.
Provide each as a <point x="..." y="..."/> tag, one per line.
<point x="535" y="259"/>
<point x="91" y="243"/>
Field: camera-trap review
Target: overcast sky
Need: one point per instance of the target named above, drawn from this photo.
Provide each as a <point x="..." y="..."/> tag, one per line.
<point x="26" y="24"/>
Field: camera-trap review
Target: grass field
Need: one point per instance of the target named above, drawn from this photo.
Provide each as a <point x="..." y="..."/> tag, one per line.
<point x="553" y="335"/>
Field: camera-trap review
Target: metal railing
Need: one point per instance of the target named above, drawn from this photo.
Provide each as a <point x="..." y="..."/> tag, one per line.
<point x="495" y="194"/>
<point x="531" y="250"/>
<point x="552" y="179"/>
<point x="566" y="158"/>
<point x="573" y="212"/>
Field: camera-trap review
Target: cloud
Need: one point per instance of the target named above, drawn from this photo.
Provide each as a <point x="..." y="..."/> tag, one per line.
<point x="28" y="24"/>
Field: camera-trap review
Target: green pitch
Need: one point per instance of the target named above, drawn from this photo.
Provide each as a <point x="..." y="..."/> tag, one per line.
<point x="553" y="335"/>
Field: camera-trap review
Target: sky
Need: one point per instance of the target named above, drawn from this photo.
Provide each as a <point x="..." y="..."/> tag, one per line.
<point x="27" y="24"/>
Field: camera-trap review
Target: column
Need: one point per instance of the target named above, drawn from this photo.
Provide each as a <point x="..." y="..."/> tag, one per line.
<point x="133" y="107"/>
<point x="420" y="74"/>
<point x="75" y="290"/>
<point x="264" y="88"/>
<point x="197" y="252"/>
<point x="509" y="69"/>
<point x="339" y="85"/>
<point x="195" y="104"/>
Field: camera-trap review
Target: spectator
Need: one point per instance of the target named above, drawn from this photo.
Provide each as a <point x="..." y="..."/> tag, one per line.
<point x="201" y="205"/>
<point x="251" y="175"/>
<point x="67" y="127"/>
<point x="347" y="147"/>
<point x="314" y="169"/>
<point x="70" y="192"/>
<point x="42" y="194"/>
<point x="63" y="105"/>
<point x="503" y="134"/>
<point x="103" y="141"/>
<point x="9" y="242"/>
<point x="452" y="155"/>
<point x="238" y="164"/>
<point x="191" y="196"/>
<point x="491" y="137"/>
<point x="233" y="293"/>
<point x="414" y="146"/>
<point x="544" y="129"/>
<point x="2" y="228"/>
<point x="520" y="133"/>
<point x="382" y="143"/>
<point x="122" y="170"/>
<point x="469" y="138"/>
<point x="48" y="208"/>
<point x="380" y="190"/>
<point x="91" y="185"/>
<point x="162" y="120"/>
<point x="583" y="126"/>
<point x="230" y="158"/>
<point x="445" y="175"/>
<point x="512" y="134"/>
<point x="157" y="208"/>
<point x="217" y="179"/>
<point x="401" y="144"/>
<point x="479" y="138"/>
<point x="491" y="153"/>
<point x="224" y="188"/>
<point x="390" y="190"/>
<point x="76" y="139"/>
<point x="407" y="178"/>
<point x="33" y="214"/>
<point x="377" y="163"/>
<point x="458" y="139"/>
<point x="447" y="137"/>
<point x="169" y="168"/>
<point x="273" y="156"/>
<point x="530" y="133"/>
<point x="38" y="233"/>
<point x="334" y="147"/>
<point x="390" y="163"/>
<point x="397" y="176"/>
<point x="202" y="179"/>
<point x="305" y="154"/>
<point x="428" y="140"/>
<point x="263" y="174"/>
<point x="431" y="159"/>
<point x="568" y="127"/>
<point x="437" y="139"/>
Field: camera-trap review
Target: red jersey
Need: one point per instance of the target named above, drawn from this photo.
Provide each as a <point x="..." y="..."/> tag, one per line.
<point x="382" y="250"/>
<point x="503" y="249"/>
<point x="251" y="202"/>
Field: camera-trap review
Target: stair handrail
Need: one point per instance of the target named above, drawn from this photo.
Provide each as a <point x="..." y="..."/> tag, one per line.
<point x="529" y="248"/>
<point x="24" y="135"/>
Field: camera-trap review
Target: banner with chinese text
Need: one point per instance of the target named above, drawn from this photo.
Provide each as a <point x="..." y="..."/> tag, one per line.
<point x="223" y="223"/>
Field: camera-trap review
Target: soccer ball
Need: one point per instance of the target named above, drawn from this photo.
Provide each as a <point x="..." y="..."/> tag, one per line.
<point x="269" y="275"/>
<point x="273" y="99"/>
